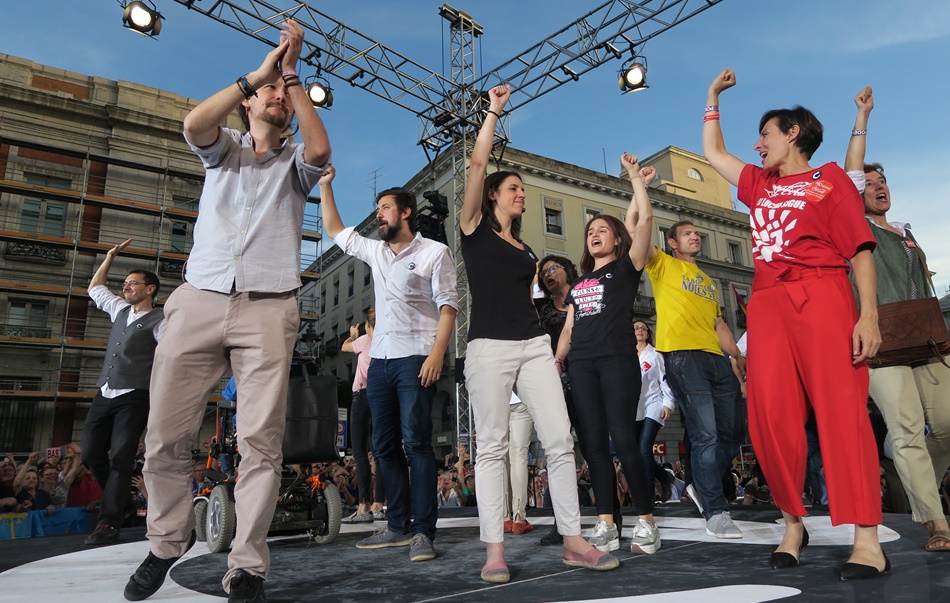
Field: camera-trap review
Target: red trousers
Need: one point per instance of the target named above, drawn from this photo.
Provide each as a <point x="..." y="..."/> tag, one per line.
<point x="800" y="332"/>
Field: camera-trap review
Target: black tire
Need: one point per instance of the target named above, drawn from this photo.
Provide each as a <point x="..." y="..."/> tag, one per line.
<point x="221" y="519"/>
<point x="201" y="520"/>
<point x="334" y="516"/>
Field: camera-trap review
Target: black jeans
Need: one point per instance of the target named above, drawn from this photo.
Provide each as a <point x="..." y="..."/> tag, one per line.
<point x="361" y="433"/>
<point x="110" y="439"/>
<point x="605" y="393"/>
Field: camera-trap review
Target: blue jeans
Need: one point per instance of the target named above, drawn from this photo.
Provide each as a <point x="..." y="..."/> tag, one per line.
<point x="648" y="432"/>
<point x="709" y="396"/>
<point x="402" y="441"/>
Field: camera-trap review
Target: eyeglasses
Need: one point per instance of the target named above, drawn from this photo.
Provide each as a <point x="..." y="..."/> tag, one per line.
<point x="131" y="283"/>
<point x="553" y="268"/>
<point x="640" y="328"/>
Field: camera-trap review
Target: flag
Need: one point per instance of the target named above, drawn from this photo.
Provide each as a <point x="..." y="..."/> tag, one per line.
<point x="740" y="300"/>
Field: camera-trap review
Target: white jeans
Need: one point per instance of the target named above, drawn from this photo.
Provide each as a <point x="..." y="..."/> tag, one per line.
<point x="516" y="469"/>
<point x="492" y="369"/>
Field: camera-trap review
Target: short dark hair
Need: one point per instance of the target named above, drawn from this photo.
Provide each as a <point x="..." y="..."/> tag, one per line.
<point x="810" y="129"/>
<point x="492" y="184"/>
<point x="404" y="201"/>
<point x="620" y="231"/>
<point x="242" y="113"/>
<point x="150" y="278"/>
<point x="564" y="262"/>
<point x="875" y="167"/>
<point x="673" y="230"/>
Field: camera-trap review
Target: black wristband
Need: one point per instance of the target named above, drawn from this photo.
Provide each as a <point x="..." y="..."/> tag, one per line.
<point x="246" y="89"/>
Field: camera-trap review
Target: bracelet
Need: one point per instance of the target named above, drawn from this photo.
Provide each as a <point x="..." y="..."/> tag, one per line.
<point x="288" y="72"/>
<point x="559" y="362"/>
<point x="859" y="132"/>
<point x="711" y="108"/>
<point x="246" y="89"/>
<point x="291" y="81"/>
<point x="498" y="115"/>
<point x="711" y="117"/>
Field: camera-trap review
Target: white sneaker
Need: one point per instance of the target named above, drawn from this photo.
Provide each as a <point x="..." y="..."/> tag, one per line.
<point x="694" y="496"/>
<point x="720" y="525"/>
<point x="604" y="538"/>
<point x="646" y="538"/>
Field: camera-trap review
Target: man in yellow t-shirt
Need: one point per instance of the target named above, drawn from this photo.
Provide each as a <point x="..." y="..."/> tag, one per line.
<point x="692" y="336"/>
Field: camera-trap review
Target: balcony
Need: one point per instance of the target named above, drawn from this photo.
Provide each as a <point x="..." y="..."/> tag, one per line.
<point x="36" y="252"/>
<point x="644" y="306"/>
<point x="24" y="331"/>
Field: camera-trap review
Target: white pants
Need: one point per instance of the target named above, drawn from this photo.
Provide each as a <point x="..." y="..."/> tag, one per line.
<point x="519" y="438"/>
<point x="492" y="369"/>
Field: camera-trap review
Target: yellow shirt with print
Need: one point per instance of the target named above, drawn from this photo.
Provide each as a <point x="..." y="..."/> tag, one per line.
<point x="687" y="305"/>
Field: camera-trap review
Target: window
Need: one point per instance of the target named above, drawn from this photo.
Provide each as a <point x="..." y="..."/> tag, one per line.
<point x="694" y="174"/>
<point x="336" y="292"/>
<point x="367" y="276"/>
<point x="704" y="249"/>
<point x="735" y="252"/>
<point x="40" y="216"/>
<point x="553" y="216"/>
<point x="26" y="318"/>
<point x="180" y="237"/>
<point x="182" y="202"/>
<point x="323" y="300"/>
<point x="18" y="417"/>
<point x="350" y="282"/>
<point x="591" y="212"/>
<point x="664" y="237"/>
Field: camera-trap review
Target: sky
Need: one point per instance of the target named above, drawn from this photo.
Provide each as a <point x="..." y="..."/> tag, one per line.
<point x="816" y="53"/>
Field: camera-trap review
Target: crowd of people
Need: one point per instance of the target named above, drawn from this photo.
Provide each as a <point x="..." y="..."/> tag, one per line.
<point x="562" y="364"/>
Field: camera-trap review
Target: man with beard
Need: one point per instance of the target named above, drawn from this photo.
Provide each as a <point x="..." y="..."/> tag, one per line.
<point x="119" y="412"/>
<point x="416" y="305"/>
<point x="237" y="309"/>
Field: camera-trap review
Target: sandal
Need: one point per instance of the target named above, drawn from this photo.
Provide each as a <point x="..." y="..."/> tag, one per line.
<point x="939" y="541"/>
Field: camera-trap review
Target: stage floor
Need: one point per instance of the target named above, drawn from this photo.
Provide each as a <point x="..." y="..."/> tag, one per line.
<point x="690" y="566"/>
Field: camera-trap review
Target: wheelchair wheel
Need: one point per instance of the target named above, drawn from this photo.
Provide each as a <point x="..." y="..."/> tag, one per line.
<point x="331" y="494"/>
<point x="221" y="519"/>
<point x="201" y="520"/>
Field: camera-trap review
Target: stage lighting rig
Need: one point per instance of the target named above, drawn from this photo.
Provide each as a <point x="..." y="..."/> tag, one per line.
<point x="140" y="18"/>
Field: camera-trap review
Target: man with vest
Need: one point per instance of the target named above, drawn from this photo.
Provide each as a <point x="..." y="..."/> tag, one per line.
<point x="119" y="412"/>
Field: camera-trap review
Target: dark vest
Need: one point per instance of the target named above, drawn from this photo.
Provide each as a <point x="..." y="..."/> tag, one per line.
<point x="128" y="361"/>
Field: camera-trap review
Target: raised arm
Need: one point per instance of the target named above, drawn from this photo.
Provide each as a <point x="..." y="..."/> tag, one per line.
<point x="202" y="123"/>
<point x="331" y="215"/>
<point x="316" y="143"/>
<point x="471" y="213"/>
<point x="857" y="146"/>
<point x="639" y="216"/>
<point x="714" y="147"/>
<point x="348" y="344"/>
<point x="866" y="339"/>
<point x="99" y="278"/>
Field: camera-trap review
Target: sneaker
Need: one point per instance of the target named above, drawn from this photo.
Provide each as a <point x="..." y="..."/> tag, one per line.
<point x="421" y="548"/>
<point x="694" y="496"/>
<point x="604" y="538"/>
<point x="103" y="534"/>
<point x="646" y="538"/>
<point x="246" y="588"/>
<point x="149" y="576"/>
<point x="720" y="525"/>
<point x="379" y="515"/>
<point x="552" y="538"/>
<point x="358" y="518"/>
<point x="384" y="538"/>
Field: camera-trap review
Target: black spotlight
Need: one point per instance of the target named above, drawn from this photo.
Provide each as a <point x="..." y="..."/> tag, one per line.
<point x="633" y="75"/>
<point x="138" y="17"/>
<point x="319" y="92"/>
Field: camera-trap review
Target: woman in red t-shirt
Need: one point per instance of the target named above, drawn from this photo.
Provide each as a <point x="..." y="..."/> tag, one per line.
<point x="807" y="227"/>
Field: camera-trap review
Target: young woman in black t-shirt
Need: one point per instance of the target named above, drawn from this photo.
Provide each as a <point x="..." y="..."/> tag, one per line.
<point x="508" y="350"/>
<point x="599" y="341"/>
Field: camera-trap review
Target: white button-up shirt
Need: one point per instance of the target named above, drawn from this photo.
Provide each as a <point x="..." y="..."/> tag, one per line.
<point x="250" y="216"/>
<point x="410" y="289"/>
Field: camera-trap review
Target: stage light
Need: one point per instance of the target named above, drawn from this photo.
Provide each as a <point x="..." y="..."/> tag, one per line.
<point x="140" y="18"/>
<point x="570" y="73"/>
<point x="319" y="92"/>
<point x="633" y="75"/>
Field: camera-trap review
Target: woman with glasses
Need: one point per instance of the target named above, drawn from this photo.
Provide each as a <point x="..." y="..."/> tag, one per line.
<point x="508" y="350"/>
<point x="656" y="402"/>
<point x="599" y="343"/>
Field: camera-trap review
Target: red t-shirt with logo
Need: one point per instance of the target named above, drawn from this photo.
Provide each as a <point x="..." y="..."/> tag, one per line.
<point x="809" y="220"/>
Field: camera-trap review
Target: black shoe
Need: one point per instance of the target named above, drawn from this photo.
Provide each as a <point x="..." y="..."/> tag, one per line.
<point x="552" y="538"/>
<point x="103" y="534"/>
<point x="148" y="578"/>
<point x="246" y="588"/>
<point x="787" y="560"/>
<point x="859" y="571"/>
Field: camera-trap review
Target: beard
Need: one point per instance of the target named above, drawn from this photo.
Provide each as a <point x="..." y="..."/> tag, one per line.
<point x="267" y="117"/>
<point x="389" y="233"/>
